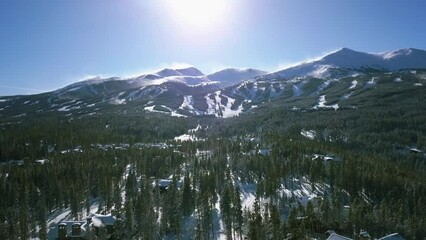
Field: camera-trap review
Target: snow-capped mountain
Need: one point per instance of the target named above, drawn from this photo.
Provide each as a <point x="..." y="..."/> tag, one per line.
<point x="337" y="80"/>
<point x="230" y="76"/>
<point x="352" y="61"/>
<point x="190" y="76"/>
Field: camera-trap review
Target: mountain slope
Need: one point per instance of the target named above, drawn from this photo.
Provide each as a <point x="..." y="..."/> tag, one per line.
<point x="353" y="61"/>
<point x="345" y="79"/>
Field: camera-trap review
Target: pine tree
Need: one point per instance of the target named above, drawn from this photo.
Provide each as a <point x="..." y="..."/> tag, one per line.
<point x="255" y="223"/>
<point x="187" y="197"/>
<point x="225" y="208"/>
<point x="275" y="222"/>
<point x="237" y="212"/>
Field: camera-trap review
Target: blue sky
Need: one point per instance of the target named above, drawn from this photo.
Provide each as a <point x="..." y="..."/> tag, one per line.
<point x="47" y="44"/>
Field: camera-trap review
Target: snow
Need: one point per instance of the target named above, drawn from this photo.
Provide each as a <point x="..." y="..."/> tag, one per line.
<point x="215" y="107"/>
<point x="188" y="104"/>
<point x="190" y="136"/>
<point x="353" y="84"/>
<point x="302" y="190"/>
<point x="397" y="80"/>
<point x="230" y="76"/>
<point x="297" y="91"/>
<point x="350" y="59"/>
<point x="99" y="220"/>
<point x="64" y="215"/>
<point x="311" y="134"/>
<point x="171" y="112"/>
<point x="347" y="95"/>
<point x="372" y="82"/>
<point x="248" y="196"/>
<point x="418" y="84"/>
<point x="297" y="88"/>
<point x="64" y="109"/>
<point x="211" y="105"/>
<point x="323" y="86"/>
<point x="393" y="54"/>
<point x="116" y="101"/>
<point x="320" y="71"/>
<point x="42" y="161"/>
<point x="227" y="112"/>
<point x="188" y="80"/>
<point x="322" y="102"/>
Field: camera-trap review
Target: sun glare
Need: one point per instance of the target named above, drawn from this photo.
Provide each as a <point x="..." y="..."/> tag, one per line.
<point x="199" y="13"/>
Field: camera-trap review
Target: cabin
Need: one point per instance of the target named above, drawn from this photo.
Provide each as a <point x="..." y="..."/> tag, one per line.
<point x="393" y="236"/>
<point x="164" y="184"/>
<point x="364" y="235"/>
<point x="335" y="236"/>
<point x="98" y="220"/>
<point x="75" y="230"/>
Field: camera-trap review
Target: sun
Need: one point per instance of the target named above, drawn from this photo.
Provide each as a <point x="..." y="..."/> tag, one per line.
<point x="199" y="13"/>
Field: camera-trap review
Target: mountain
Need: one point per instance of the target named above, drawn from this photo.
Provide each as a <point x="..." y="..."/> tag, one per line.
<point x="350" y="61"/>
<point x="340" y="80"/>
<point x="230" y="76"/>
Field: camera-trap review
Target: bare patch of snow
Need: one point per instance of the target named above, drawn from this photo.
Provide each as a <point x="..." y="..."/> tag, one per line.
<point x="322" y="102"/>
<point x="311" y="134"/>
<point x="353" y="84"/>
<point x="188" y="104"/>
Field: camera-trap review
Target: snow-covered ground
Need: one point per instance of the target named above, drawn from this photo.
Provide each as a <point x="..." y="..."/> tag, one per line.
<point x="190" y="136"/>
<point x="322" y="102"/>
<point x="372" y="82"/>
<point x="297" y="88"/>
<point x="354" y="83"/>
<point x="169" y="112"/>
<point x="188" y="104"/>
<point x="61" y="215"/>
<point x="215" y="106"/>
<point x="347" y="95"/>
<point x="311" y="134"/>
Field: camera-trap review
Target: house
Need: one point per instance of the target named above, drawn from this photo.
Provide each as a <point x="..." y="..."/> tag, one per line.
<point x="265" y="152"/>
<point x="335" y="236"/>
<point x="75" y="230"/>
<point x="98" y="220"/>
<point x="164" y="184"/>
<point x="364" y="235"/>
<point x="393" y="236"/>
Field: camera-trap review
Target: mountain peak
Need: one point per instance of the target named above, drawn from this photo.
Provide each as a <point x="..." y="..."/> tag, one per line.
<point x="345" y="49"/>
<point x="190" y="71"/>
<point x="230" y="76"/>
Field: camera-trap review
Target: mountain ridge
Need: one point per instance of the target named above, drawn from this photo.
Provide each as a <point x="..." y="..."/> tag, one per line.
<point x="188" y="92"/>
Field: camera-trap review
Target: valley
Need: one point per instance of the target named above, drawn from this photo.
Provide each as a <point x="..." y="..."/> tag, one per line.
<point x="326" y="145"/>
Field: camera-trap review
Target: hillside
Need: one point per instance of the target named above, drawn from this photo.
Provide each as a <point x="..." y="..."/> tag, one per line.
<point x="173" y="155"/>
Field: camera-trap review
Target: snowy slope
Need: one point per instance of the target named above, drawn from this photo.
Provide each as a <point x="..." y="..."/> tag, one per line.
<point x="348" y="59"/>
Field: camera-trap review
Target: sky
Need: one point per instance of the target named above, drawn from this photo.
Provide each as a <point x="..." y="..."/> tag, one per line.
<point x="48" y="44"/>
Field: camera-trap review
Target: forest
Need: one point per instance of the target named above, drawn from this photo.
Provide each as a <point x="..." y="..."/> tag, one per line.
<point x="243" y="177"/>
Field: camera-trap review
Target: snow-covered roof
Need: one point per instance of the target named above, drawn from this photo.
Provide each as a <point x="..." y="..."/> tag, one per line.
<point x="335" y="236"/>
<point x="69" y="225"/>
<point x="164" y="183"/>
<point x="393" y="236"/>
<point x="99" y="220"/>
